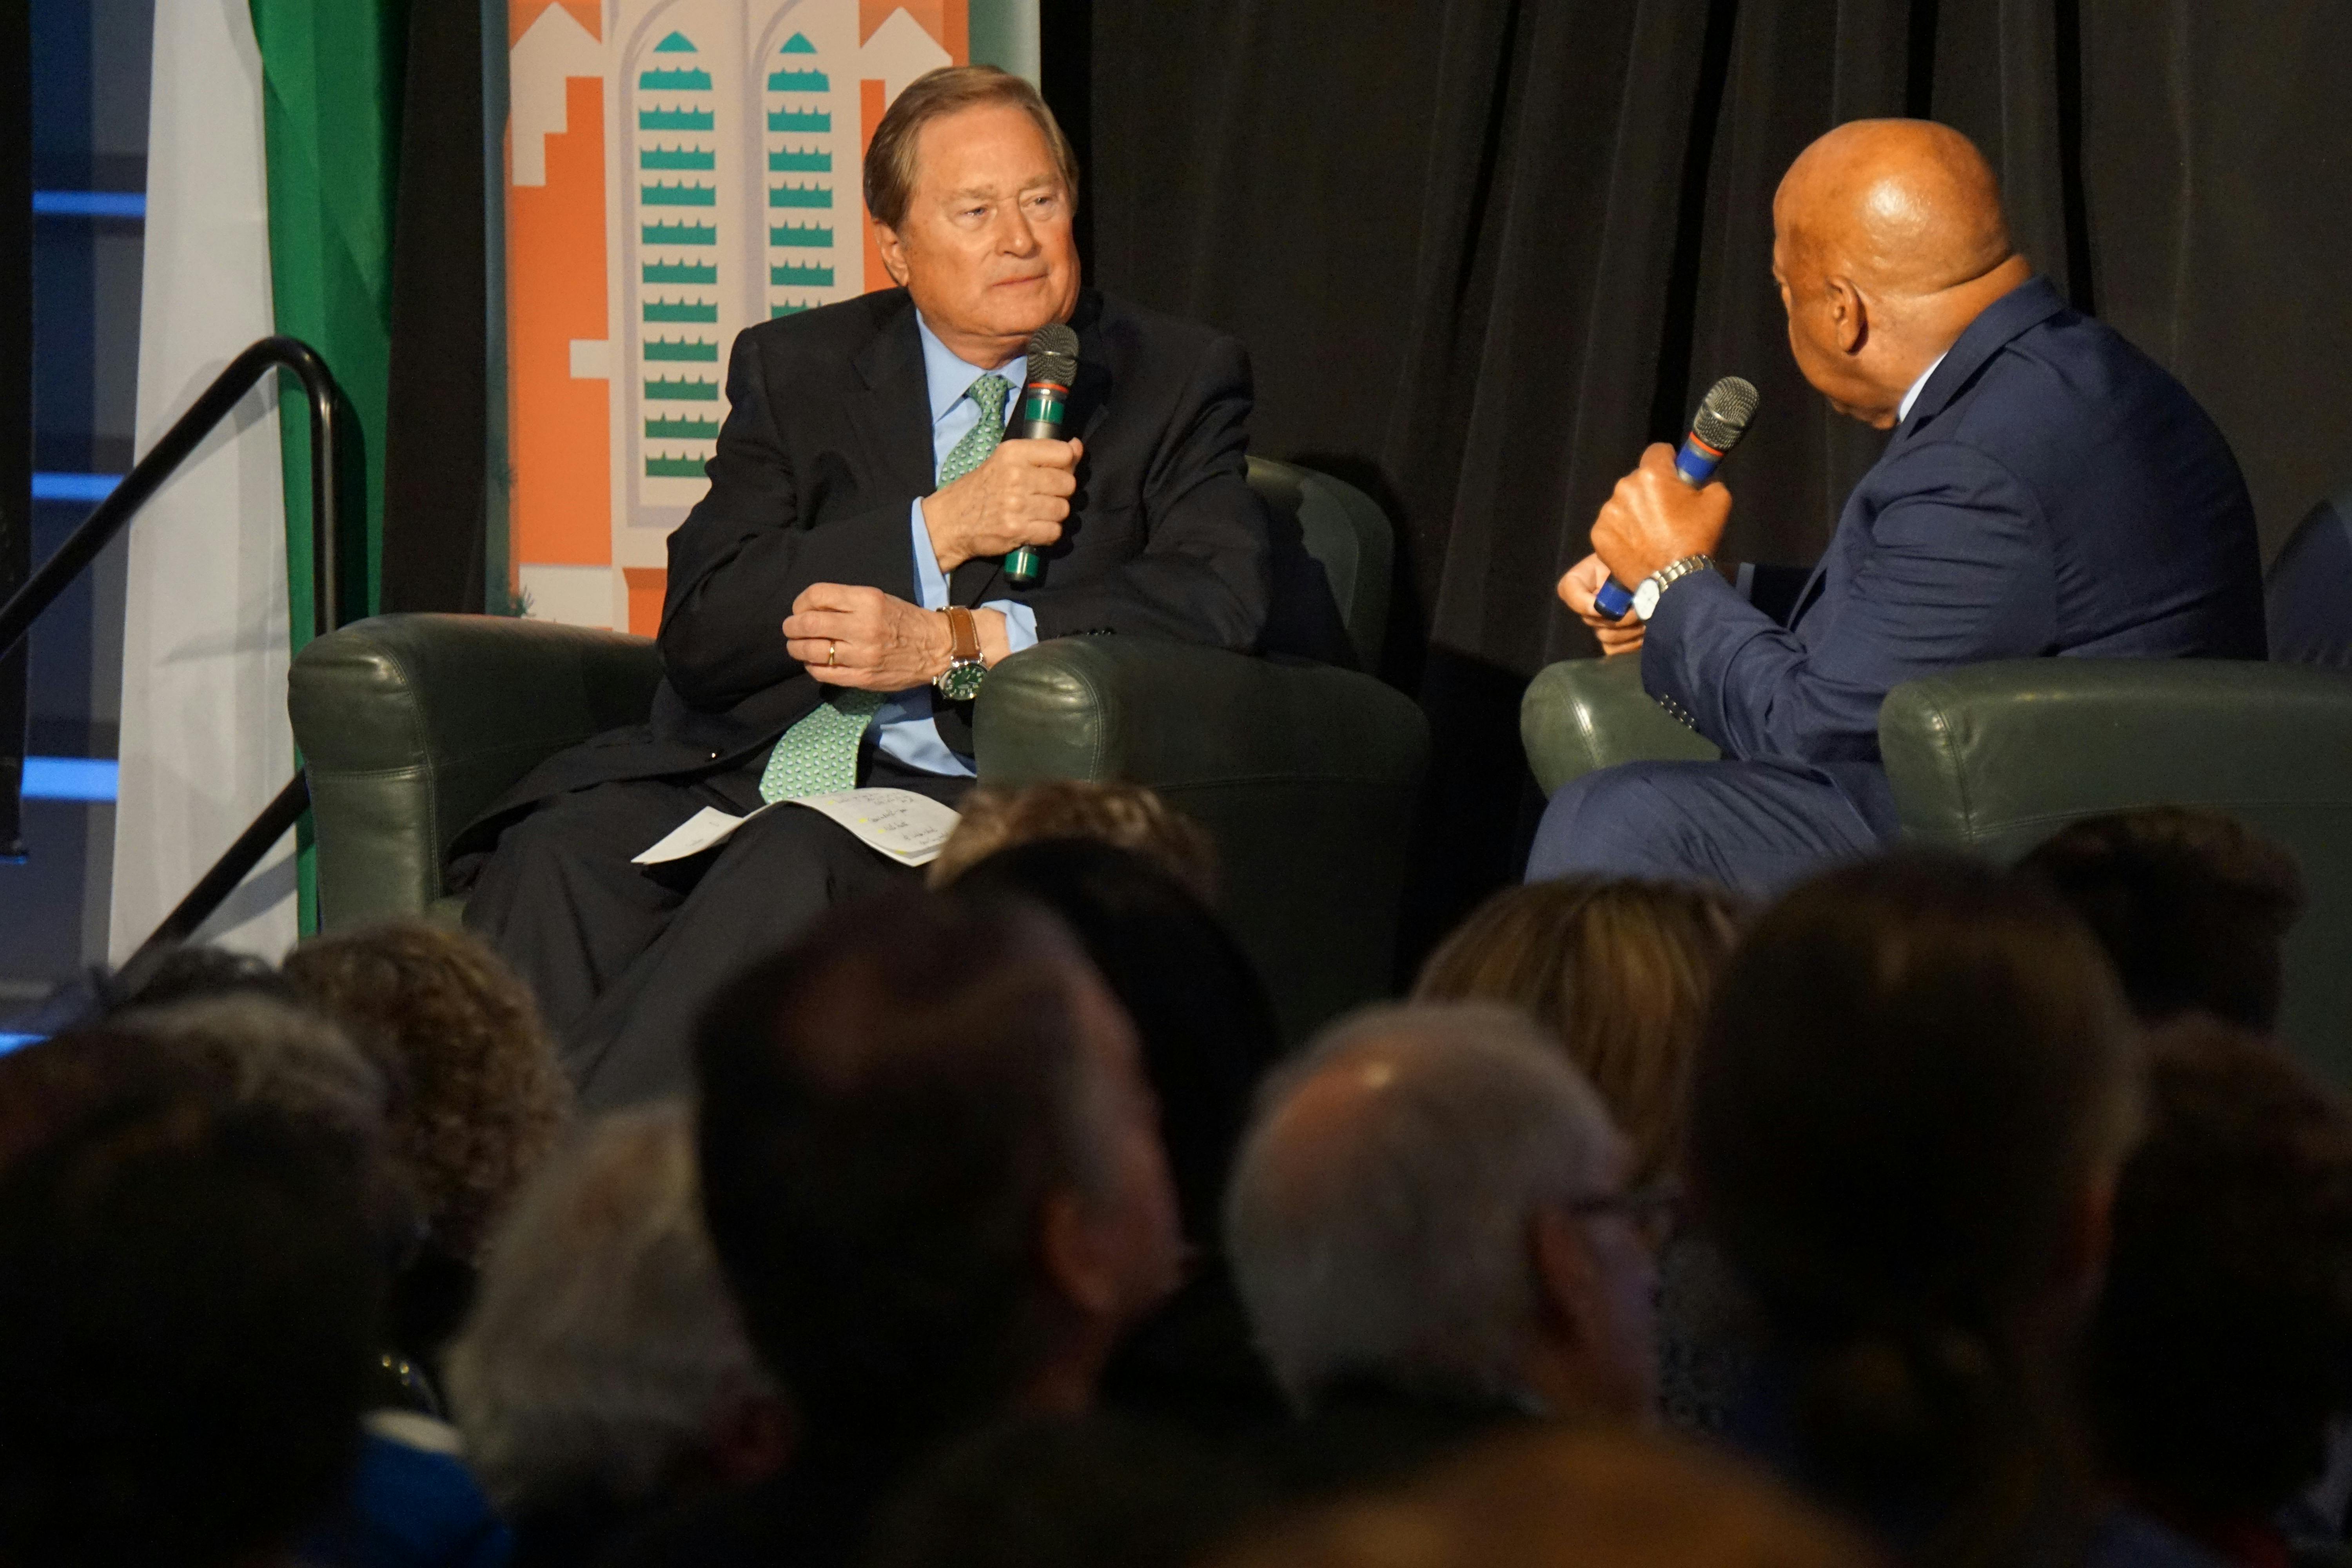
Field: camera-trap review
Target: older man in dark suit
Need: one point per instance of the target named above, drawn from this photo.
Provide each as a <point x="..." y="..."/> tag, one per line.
<point x="2047" y="490"/>
<point x="838" y="598"/>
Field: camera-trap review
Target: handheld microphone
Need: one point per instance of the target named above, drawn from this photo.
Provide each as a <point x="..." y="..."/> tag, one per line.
<point x="1721" y="420"/>
<point x="1052" y="365"/>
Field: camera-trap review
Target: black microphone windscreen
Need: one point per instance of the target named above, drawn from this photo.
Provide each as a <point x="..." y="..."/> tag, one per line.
<point x="1054" y="355"/>
<point x="1722" y="418"/>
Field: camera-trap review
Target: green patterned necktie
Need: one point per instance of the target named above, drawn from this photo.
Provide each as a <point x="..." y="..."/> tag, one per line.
<point x="988" y="394"/>
<point x="819" y="755"/>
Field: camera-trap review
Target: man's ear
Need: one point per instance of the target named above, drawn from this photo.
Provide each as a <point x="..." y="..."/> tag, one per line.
<point x="1849" y="317"/>
<point x="1567" y="1282"/>
<point x="1079" y="1261"/>
<point x="894" y="251"/>
<point x="2090" y="1237"/>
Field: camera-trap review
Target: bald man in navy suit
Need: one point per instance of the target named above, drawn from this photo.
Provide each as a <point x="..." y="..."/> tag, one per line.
<point x="2049" y="489"/>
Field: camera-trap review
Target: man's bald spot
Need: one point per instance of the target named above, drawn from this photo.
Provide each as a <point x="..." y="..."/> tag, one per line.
<point x="1905" y="208"/>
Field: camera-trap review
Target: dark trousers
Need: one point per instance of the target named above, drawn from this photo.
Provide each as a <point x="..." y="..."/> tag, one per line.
<point x="1755" y="827"/>
<point x="625" y="957"/>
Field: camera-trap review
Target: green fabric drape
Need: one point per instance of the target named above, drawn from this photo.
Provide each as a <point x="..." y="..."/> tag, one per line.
<point x="331" y="99"/>
<point x="331" y="76"/>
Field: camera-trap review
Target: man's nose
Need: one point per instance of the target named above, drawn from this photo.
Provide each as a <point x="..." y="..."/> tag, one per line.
<point x="1016" y="237"/>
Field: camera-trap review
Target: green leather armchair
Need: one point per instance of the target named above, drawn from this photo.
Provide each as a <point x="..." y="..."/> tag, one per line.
<point x="1306" y="774"/>
<point x="1996" y="757"/>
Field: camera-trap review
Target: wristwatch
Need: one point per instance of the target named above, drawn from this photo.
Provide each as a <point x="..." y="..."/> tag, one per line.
<point x="960" y="681"/>
<point x="1647" y="592"/>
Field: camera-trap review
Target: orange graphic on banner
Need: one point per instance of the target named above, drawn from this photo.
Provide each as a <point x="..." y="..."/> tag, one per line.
<point x="869" y="116"/>
<point x="678" y="171"/>
<point x="647" y="584"/>
<point x="949" y="22"/>
<point x="561" y="435"/>
<point x="521" y="13"/>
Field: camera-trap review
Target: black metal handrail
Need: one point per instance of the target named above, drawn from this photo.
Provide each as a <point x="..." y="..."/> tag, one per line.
<point x="147" y="476"/>
<point x="115" y="513"/>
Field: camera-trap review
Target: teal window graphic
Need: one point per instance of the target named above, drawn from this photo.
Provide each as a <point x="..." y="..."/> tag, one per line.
<point x="800" y="275"/>
<point x="679" y="282"/>
<point x="803" y="120"/>
<point x="790" y="161"/>
<point x="801" y="236"/>
<point x="799" y="196"/>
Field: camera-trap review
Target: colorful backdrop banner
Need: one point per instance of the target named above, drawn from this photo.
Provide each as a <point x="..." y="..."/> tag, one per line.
<point x="676" y="171"/>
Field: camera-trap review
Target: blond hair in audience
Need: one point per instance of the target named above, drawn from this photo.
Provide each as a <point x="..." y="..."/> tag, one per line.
<point x="1126" y="815"/>
<point x="1619" y="971"/>
<point x="1595" y="1497"/>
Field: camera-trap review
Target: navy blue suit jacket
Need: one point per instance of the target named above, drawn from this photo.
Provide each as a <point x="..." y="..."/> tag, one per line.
<point x="2052" y="491"/>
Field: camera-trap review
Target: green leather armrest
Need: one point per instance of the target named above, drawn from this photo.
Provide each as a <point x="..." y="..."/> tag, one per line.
<point x="410" y="726"/>
<point x="1584" y="714"/>
<point x="1997" y="757"/>
<point x="1307" y="775"/>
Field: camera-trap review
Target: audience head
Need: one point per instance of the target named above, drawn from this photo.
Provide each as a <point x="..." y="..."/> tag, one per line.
<point x="2221" y="1351"/>
<point x="253" y="1049"/>
<point x="480" y="1099"/>
<point x="1433" y="1201"/>
<point x="930" y="1168"/>
<point x="1205" y="1023"/>
<point x="1126" y="815"/>
<point x="1620" y="972"/>
<point x="188" y="1290"/>
<point x="1910" y="1104"/>
<point x="1591" y="1498"/>
<point x="2191" y="906"/>
<point x="191" y="971"/>
<point x="605" y="1361"/>
<point x="1091" y="1492"/>
<point x="1888" y="240"/>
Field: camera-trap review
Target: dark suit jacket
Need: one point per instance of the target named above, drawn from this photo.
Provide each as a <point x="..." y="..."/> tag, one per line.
<point x="2052" y="491"/>
<point x="828" y="442"/>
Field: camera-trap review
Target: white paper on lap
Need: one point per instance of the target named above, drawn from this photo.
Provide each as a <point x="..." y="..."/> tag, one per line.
<point x="907" y="828"/>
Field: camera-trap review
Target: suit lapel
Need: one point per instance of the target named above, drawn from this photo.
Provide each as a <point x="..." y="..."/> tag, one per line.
<point x="892" y="416"/>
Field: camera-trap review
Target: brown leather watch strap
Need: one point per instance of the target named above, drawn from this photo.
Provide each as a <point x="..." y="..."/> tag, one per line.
<point x="964" y="634"/>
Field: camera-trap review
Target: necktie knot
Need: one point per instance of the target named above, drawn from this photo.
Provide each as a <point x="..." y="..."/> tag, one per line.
<point x="988" y="394"/>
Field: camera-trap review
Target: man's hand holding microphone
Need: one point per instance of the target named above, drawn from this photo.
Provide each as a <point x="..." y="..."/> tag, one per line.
<point x="1666" y="513"/>
<point x="1019" y="495"/>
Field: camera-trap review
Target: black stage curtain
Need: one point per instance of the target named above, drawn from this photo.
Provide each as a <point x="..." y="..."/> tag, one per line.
<point x="434" y="478"/>
<point x="1482" y="250"/>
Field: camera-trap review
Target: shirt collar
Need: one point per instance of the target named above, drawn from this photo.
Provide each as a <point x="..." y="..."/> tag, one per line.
<point x="1902" y="411"/>
<point x="950" y="376"/>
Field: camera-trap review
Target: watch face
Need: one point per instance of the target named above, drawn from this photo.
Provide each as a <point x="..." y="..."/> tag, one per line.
<point x="962" y="681"/>
<point x="1646" y="598"/>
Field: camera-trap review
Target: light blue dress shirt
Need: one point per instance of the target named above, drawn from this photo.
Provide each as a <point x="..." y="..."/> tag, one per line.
<point x="904" y="726"/>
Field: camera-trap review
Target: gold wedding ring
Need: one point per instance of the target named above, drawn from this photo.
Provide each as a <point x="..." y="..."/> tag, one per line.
<point x="832" y="653"/>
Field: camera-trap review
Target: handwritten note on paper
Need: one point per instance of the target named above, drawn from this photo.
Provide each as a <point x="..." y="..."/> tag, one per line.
<point x="910" y="828"/>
